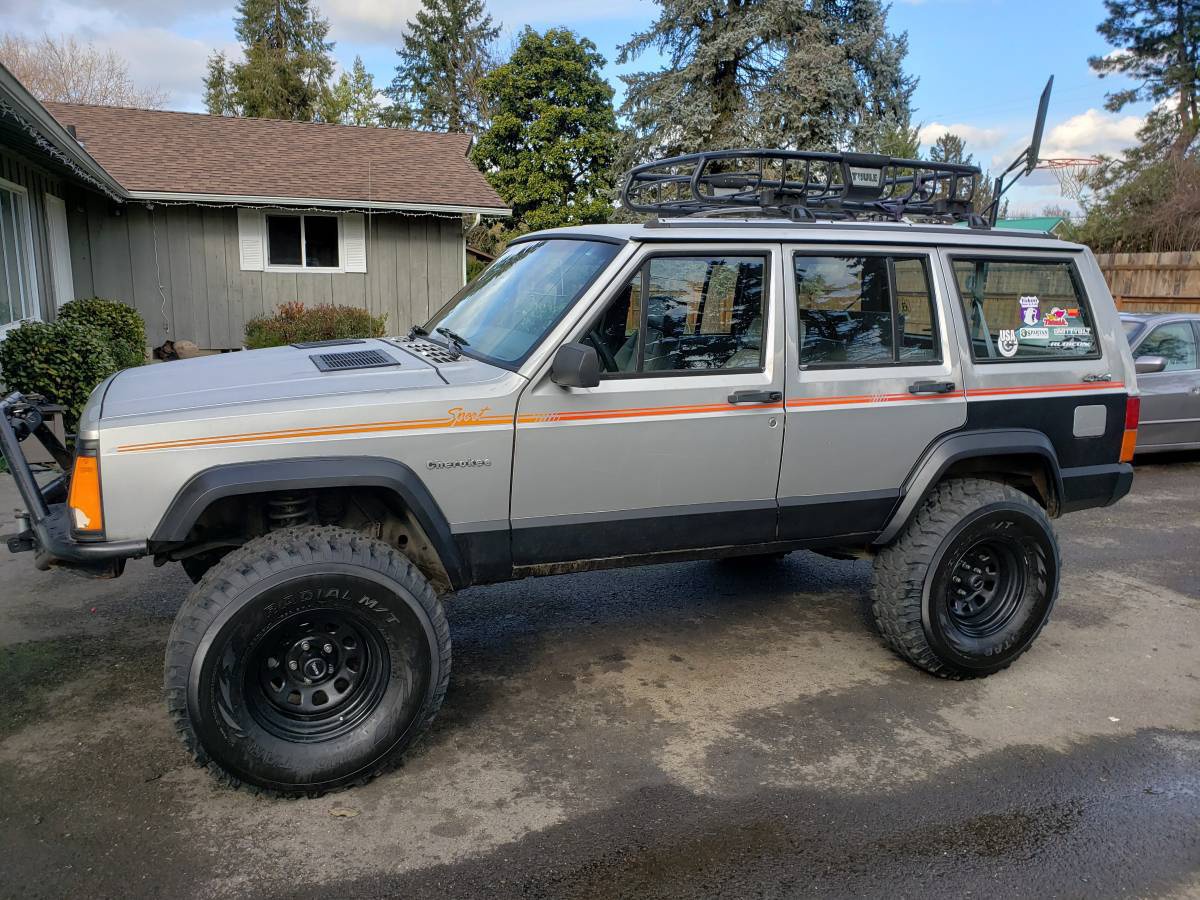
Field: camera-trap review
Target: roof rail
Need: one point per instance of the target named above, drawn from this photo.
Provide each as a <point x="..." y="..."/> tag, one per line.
<point x="803" y="186"/>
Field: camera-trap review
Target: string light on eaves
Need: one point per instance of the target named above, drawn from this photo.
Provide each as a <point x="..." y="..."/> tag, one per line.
<point x="52" y="151"/>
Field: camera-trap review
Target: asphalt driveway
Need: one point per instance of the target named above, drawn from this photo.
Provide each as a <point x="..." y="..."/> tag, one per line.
<point x="690" y="730"/>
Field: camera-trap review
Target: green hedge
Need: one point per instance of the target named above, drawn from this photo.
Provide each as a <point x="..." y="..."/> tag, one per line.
<point x="63" y="361"/>
<point x="120" y="324"/>
<point x="293" y="322"/>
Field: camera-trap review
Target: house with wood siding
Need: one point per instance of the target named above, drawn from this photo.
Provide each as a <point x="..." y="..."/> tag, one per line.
<point x="202" y="222"/>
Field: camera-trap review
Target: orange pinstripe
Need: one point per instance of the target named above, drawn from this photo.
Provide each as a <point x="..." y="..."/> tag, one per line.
<point x="591" y="415"/>
<point x="366" y="428"/>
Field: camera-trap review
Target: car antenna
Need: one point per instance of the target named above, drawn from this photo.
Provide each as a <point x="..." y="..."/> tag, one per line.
<point x="1026" y="162"/>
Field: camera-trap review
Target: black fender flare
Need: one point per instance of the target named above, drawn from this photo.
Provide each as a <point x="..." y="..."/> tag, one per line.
<point x="967" y="445"/>
<point x="262" y="476"/>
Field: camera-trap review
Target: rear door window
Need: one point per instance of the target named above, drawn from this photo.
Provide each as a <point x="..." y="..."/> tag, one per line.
<point x="864" y="310"/>
<point x="1024" y="309"/>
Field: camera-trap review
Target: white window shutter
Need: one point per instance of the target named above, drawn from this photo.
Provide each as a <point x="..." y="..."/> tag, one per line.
<point x="354" y="242"/>
<point x="250" y="240"/>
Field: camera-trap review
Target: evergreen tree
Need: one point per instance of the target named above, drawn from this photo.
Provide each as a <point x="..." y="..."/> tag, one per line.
<point x="806" y="74"/>
<point x="351" y="99"/>
<point x="446" y="54"/>
<point x="552" y="141"/>
<point x="899" y="140"/>
<point x="1158" y="43"/>
<point x="286" y="63"/>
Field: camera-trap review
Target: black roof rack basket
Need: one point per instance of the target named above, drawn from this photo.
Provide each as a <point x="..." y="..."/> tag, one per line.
<point x="803" y="186"/>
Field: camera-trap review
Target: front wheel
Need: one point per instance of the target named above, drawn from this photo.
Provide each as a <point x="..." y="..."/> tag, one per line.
<point x="306" y="661"/>
<point x="970" y="582"/>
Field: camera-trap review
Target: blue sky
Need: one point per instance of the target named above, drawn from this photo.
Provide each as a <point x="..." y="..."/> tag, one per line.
<point x="981" y="63"/>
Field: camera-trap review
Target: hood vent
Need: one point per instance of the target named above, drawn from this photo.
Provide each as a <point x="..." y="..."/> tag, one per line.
<point x="431" y="351"/>
<point x="352" y="359"/>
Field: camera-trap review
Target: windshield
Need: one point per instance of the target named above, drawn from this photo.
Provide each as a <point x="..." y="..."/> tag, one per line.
<point x="503" y="314"/>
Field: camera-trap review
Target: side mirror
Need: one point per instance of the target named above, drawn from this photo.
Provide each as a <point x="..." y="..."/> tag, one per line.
<point x="576" y="365"/>
<point x="1148" y="365"/>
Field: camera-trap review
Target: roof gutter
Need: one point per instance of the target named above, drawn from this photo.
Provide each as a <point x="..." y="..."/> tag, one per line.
<point x="19" y="103"/>
<point x="253" y="200"/>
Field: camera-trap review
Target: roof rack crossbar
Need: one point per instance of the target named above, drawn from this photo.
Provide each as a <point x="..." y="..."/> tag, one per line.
<point x="825" y="185"/>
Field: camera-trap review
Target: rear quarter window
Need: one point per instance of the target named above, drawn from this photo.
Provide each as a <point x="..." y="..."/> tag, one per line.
<point x="1024" y="309"/>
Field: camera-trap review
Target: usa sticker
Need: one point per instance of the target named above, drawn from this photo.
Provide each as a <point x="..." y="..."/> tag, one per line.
<point x="1030" y="310"/>
<point x="1008" y="343"/>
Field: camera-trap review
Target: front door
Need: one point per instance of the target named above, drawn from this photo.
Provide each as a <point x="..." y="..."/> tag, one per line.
<point x="678" y="448"/>
<point x="1170" y="398"/>
<point x="872" y="381"/>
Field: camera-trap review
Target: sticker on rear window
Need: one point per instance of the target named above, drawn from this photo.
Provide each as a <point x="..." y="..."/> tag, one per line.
<point x="1007" y="343"/>
<point x="1030" y="310"/>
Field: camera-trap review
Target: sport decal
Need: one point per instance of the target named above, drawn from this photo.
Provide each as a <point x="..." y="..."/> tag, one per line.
<point x="1031" y="311"/>
<point x="1056" y="316"/>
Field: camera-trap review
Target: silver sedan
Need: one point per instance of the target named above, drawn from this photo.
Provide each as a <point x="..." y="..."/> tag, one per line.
<point x="1166" y="350"/>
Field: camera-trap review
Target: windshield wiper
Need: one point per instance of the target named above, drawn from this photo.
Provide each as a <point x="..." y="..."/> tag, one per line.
<point x="417" y="331"/>
<point x="456" y="339"/>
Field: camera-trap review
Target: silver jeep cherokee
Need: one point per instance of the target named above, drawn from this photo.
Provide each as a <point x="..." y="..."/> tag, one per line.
<point x="793" y="377"/>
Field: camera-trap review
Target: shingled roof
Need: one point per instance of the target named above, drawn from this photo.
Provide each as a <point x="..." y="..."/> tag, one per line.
<point x="158" y="154"/>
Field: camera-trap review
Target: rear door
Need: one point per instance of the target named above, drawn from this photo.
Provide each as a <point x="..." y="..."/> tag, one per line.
<point x="679" y="445"/>
<point x="872" y="381"/>
<point x="1170" y="398"/>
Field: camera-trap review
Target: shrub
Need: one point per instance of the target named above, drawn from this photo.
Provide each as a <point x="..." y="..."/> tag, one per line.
<point x="63" y="361"/>
<point x="293" y="322"/>
<point x="120" y="324"/>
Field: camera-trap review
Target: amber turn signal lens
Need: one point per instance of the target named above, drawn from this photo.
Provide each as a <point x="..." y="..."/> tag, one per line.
<point x="84" y="497"/>
<point x="1128" y="445"/>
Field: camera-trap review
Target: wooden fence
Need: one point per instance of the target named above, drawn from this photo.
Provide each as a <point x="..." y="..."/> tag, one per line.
<point x="1153" y="282"/>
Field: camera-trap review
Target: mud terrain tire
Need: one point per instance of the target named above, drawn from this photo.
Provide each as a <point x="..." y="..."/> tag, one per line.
<point x="970" y="582"/>
<point x="306" y="661"/>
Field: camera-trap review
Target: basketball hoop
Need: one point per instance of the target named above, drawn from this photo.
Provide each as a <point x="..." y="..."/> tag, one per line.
<point x="1071" y="173"/>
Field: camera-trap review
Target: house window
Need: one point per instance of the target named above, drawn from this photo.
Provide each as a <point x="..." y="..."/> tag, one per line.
<point x="18" y="294"/>
<point x="309" y="242"/>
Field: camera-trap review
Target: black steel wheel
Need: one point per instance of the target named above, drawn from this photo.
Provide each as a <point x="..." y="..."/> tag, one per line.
<point x="306" y="661"/>
<point x="971" y="580"/>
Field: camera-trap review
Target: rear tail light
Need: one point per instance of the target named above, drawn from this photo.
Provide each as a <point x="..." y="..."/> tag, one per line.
<point x="83" y="499"/>
<point x="1133" y="412"/>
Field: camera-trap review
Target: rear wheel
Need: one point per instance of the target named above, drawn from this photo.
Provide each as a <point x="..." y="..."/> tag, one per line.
<point x="970" y="582"/>
<point x="307" y="660"/>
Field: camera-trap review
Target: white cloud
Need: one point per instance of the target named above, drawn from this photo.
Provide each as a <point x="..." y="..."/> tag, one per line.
<point x="368" y="21"/>
<point x="166" y="60"/>
<point x="1089" y="134"/>
<point x="977" y="139"/>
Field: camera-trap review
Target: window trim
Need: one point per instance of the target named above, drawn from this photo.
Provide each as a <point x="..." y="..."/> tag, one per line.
<point x="891" y="256"/>
<point x="1080" y="291"/>
<point x="268" y="266"/>
<point x="29" y="251"/>
<point x="1195" y="329"/>
<point x="643" y="269"/>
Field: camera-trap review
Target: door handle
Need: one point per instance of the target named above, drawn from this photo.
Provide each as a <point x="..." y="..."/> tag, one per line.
<point x="931" y="387"/>
<point x="756" y="396"/>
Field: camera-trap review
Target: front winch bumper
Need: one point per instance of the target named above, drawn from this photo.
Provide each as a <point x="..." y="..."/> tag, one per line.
<point x="45" y="524"/>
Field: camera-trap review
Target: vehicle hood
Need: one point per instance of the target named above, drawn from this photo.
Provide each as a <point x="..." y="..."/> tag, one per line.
<point x="262" y="376"/>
